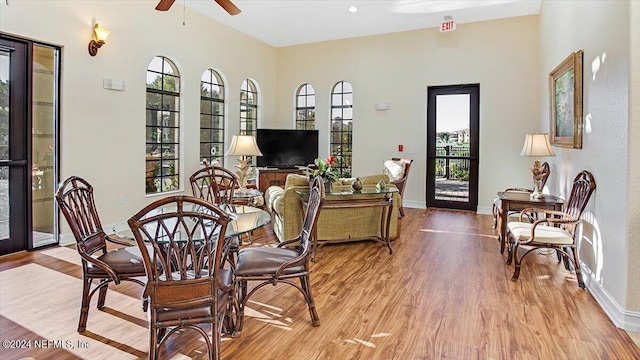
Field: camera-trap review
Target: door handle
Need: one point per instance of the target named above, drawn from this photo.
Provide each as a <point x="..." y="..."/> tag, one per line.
<point x="13" y="162"/>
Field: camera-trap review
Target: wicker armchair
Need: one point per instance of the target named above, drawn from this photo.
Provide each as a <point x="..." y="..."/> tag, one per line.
<point x="182" y="248"/>
<point x="282" y="264"/>
<point x="214" y="184"/>
<point x="217" y="185"/>
<point x="76" y="201"/>
<point x="557" y="230"/>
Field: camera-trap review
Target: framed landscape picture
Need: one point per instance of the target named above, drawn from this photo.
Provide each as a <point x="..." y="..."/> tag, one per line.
<point x="565" y="91"/>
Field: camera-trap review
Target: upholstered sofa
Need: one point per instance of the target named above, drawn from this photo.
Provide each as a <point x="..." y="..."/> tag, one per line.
<point x="334" y="225"/>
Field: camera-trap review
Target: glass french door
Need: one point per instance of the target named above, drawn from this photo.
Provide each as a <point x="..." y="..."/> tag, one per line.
<point x="452" y="146"/>
<point x="29" y="93"/>
<point x="44" y="143"/>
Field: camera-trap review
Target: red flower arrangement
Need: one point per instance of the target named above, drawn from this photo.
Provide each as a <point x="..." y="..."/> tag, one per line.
<point x="324" y="169"/>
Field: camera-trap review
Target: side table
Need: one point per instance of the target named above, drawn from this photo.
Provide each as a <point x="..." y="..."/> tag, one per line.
<point x="518" y="201"/>
<point x="247" y="197"/>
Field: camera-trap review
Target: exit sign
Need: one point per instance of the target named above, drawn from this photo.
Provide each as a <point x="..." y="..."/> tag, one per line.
<point x="448" y="26"/>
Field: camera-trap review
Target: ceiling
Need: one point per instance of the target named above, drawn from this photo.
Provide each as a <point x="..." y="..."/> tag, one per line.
<point x="292" y="22"/>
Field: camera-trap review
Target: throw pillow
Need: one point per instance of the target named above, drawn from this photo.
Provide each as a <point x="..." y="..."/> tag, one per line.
<point x="394" y="169"/>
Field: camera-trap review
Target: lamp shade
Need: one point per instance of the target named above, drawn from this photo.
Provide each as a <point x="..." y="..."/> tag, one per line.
<point x="537" y="145"/>
<point x="101" y="33"/>
<point x="244" y="145"/>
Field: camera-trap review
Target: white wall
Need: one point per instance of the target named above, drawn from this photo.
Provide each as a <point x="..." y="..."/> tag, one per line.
<point x="601" y="29"/>
<point x="397" y="68"/>
<point x="103" y="131"/>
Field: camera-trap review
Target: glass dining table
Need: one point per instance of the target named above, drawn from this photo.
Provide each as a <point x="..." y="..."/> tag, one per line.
<point x="244" y="220"/>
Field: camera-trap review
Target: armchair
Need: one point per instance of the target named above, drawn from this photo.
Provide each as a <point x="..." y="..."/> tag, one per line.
<point x="182" y="255"/>
<point x="76" y="201"/>
<point x="398" y="171"/>
<point x="555" y="231"/>
<point x="214" y="184"/>
<point x="282" y="264"/>
<point x="217" y="185"/>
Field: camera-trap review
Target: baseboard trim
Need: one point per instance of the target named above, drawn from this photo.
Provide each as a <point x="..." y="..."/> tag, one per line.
<point x="413" y="204"/>
<point x="624" y="319"/>
<point x="485" y="210"/>
<point x="65" y="240"/>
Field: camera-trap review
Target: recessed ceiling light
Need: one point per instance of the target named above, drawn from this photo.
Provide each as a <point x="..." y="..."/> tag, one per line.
<point x="353" y="9"/>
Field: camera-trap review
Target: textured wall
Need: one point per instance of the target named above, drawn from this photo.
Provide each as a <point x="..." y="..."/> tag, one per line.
<point x="601" y="29"/>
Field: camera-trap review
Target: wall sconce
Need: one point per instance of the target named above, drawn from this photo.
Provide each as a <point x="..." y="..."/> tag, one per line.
<point x="101" y="37"/>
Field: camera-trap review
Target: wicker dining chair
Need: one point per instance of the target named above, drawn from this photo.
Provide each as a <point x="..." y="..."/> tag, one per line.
<point x="217" y="185"/>
<point x="186" y="284"/>
<point x="75" y="199"/>
<point x="282" y="264"/>
<point x="214" y="184"/>
<point x="557" y="230"/>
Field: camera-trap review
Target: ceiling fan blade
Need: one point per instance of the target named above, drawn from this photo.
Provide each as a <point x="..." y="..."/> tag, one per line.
<point x="228" y="6"/>
<point x="164" y="5"/>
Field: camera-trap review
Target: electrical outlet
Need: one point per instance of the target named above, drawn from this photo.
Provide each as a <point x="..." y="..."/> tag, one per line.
<point x="122" y="199"/>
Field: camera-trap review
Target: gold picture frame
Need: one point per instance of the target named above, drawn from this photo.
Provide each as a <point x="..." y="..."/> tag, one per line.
<point x="565" y="91"/>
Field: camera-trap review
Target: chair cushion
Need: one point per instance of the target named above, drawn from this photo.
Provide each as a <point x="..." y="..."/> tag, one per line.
<point x="123" y="261"/>
<point x="544" y="234"/>
<point x="265" y="260"/>
<point x="234" y="242"/>
<point x="394" y="169"/>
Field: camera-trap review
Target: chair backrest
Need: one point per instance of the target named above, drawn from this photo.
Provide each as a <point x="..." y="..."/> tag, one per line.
<point x="181" y="239"/>
<point x="214" y="184"/>
<point x="312" y="212"/>
<point x="546" y="171"/>
<point x="583" y="186"/>
<point x="75" y="199"/>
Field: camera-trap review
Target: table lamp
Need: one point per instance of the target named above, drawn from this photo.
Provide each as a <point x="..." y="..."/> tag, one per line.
<point x="243" y="146"/>
<point x="537" y="145"/>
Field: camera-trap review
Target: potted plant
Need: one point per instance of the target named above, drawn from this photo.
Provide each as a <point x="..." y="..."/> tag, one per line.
<point x="324" y="169"/>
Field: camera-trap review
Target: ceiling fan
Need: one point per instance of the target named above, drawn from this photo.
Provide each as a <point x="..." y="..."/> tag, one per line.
<point x="227" y="5"/>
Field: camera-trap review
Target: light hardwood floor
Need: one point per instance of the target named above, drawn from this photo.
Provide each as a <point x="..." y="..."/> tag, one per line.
<point x="444" y="293"/>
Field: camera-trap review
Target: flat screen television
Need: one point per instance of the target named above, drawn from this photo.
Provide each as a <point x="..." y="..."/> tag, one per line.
<point x="285" y="149"/>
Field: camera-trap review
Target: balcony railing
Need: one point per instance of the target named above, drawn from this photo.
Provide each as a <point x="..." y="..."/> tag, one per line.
<point x="452" y="169"/>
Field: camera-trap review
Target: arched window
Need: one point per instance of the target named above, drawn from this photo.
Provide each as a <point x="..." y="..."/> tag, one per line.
<point x="162" y="126"/>
<point x="248" y="108"/>
<point x="305" y="107"/>
<point x="342" y="126"/>
<point x="212" y="117"/>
